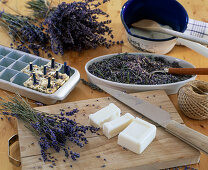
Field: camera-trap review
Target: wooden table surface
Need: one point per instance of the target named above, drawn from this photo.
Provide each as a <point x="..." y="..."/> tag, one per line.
<point x="196" y="9"/>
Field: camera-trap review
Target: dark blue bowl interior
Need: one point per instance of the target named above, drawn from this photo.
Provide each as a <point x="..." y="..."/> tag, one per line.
<point x="165" y="12"/>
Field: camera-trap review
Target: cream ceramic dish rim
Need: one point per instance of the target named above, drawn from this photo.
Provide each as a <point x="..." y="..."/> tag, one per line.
<point x="100" y="58"/>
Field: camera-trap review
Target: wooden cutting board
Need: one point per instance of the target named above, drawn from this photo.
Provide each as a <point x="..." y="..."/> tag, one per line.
<point x="100" y="153"/>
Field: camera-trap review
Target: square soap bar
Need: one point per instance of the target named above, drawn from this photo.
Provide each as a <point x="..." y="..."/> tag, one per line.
<point x="137" y="136"/>
<point x="106" y="114"/>
<point x="114" y="127"/>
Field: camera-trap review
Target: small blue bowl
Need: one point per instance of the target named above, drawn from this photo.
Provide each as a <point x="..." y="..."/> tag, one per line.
<point x="165" y="12"/>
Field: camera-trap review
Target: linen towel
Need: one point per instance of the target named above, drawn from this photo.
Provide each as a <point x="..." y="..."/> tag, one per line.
<point x="197" y="28"/>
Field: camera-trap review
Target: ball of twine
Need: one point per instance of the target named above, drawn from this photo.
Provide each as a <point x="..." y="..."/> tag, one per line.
<point x="193" y="99"/>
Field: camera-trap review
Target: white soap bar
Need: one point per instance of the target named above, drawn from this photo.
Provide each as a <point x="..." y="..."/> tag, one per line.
<point x="114" y="127"/>
<point x="137" y="136"/>
<point x="106" y="114"/>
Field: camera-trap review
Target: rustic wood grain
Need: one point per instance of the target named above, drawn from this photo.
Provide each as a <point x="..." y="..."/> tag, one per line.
<point x="164" y="152"/>
<point x="196" y="10"/>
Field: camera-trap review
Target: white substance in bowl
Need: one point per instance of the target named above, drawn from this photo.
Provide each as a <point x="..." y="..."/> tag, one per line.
<point x="151" y="34"/>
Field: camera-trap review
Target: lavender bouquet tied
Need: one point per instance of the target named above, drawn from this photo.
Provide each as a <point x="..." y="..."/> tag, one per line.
<point x="52" y="130"/>
<point x="74" y="26"/>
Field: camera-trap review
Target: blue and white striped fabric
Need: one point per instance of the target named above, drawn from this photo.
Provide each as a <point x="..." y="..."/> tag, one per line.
<point x="197" y="28"/>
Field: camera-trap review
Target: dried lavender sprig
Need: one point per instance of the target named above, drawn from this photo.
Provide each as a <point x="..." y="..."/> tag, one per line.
<point x="91" y="85"/>
<point x="53" y="130"/>
<point x="184" y="168"/>
<point x="40" y="8"/>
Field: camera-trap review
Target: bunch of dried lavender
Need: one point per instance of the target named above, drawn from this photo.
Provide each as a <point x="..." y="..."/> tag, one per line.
<point x="74" y="26"/>
<point x="24" y="32"/>
<point x="53" y="131"/>
<point x="69" y="26"/>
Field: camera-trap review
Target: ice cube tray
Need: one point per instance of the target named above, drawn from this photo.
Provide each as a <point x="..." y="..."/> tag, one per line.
<point x="12" y="79"/>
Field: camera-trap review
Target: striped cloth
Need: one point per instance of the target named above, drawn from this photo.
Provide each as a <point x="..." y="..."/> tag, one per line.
<point x="197" y="28"/>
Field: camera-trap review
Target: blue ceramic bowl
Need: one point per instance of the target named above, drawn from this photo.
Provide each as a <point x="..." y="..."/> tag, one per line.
<point x="165" y="12"/>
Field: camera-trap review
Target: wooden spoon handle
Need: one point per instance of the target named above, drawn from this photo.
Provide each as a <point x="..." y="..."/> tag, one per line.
<point x="201" y="49"/>
<point x="188" y="71"/>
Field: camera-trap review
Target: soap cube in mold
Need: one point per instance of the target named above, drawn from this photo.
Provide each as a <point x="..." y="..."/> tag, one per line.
<point x="106" y="114"/>
<point x="71" y="71"/>
<point x="4" y="51"/>
<point x="18" y="65"/>
<point x="114" y="127"/>
<point x="14" y="55"/>
<point x="137" y="136"/>
<point x="6" y="62"/>
<point x="7" y="74"/>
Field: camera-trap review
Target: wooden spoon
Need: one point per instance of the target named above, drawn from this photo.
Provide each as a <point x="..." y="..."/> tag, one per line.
<point x="154" y="26"/>
<point x="183" y="71"/>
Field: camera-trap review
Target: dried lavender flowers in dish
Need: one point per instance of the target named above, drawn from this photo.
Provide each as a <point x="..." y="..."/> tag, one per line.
<point x="135" y="69"/>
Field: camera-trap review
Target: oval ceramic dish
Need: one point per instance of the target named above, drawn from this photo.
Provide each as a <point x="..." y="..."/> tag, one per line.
<point x="170" y="88"/>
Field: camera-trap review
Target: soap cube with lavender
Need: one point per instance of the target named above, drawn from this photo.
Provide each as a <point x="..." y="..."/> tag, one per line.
<point x="53" y="66"/>
<point x="47" y="78"/>
<point x="29" y="75"/>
